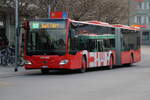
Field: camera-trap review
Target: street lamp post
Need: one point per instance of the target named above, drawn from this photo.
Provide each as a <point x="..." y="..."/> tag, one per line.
<point x="17" y="34"/>
<point x="49" y="10"/>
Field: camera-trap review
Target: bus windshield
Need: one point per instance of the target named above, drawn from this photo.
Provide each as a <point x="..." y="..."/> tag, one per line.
<point x="46" y="38"/>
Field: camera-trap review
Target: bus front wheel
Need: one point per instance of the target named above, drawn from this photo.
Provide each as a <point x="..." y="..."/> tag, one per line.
<point x="84" y="66"/>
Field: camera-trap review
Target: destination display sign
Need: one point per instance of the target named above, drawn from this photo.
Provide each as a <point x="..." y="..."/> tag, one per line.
<point x="47" y="25"/>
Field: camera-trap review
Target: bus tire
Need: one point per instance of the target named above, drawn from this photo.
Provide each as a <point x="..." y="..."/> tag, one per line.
<point x="44" y="71"/>
<point x="84" y="66"/>
<point x="110" y="63"/>
<point x="131" y="60"/>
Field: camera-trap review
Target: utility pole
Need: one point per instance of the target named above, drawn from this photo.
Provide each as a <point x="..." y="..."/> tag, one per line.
<point x="17" y="35"/>
<point x="128" y="12"/>
<point x="49" y="10"/>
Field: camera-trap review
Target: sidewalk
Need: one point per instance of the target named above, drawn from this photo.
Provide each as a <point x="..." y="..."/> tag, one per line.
<point x="8" y="71"/>
<point x="145" y="49"/>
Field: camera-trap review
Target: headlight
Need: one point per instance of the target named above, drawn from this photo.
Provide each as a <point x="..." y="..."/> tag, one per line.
<point x="27" y="62"/>
<point x="64" y="62"/>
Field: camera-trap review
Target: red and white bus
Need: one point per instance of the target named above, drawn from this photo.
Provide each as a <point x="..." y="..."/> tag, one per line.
<point x="68" y="44"/>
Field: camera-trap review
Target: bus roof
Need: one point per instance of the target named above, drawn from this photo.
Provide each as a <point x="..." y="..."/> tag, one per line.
<point x="99" y="23"/>
<point x="126" y="27"/>
<point x="107" y="24"/>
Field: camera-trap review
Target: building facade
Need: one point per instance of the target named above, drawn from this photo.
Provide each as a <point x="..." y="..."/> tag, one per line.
<point x="140" y="15"/>
<point x="7" y="25"/>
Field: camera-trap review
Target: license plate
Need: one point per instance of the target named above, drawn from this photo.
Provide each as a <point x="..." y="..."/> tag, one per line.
<point x="44" y="66"/>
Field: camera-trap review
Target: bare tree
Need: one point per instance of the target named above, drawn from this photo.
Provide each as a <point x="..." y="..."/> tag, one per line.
<point x="111" y="11"/>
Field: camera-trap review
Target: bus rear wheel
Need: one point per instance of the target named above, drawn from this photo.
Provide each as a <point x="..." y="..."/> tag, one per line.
<point x="110" y="63"/>
<point x="131" y="60"/>
<point x="44" y="71"/>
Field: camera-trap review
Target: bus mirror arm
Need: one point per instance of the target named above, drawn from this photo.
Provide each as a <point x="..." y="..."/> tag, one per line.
<point x="25" y="25"/>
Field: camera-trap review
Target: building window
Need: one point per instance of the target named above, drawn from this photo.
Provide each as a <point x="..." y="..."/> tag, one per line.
<point x="147" y="19"/>
<point x="138" y="19"/>
<point x="142" y="5"/>
<point x="141" y="20"/>
<point x="147" y="5"/>
<point x="135" y="19"/>
<point x="145" y="36"/>
<point x="2" y="19"/>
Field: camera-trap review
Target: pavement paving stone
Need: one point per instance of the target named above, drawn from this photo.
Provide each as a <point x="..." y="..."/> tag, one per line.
<point x="6" y="71"/>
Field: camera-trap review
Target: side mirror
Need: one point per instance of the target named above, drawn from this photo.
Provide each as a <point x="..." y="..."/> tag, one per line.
<point x="26" y="25"/>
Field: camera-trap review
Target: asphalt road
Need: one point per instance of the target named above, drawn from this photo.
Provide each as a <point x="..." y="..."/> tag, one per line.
<point x="123" y="83"/>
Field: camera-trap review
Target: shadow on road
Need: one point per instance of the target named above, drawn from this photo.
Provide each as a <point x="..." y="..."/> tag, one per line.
<point x="70" y="72"/>
<point x="67" y="72"/>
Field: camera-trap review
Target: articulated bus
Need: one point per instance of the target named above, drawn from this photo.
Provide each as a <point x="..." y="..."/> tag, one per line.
<point x="67" y="44"/>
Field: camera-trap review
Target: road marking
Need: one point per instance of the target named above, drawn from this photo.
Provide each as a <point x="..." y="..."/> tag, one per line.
<point x="5" y="84"/>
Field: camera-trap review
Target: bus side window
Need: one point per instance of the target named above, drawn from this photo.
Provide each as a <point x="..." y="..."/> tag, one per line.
<point x="95" y="46"/>
<point x="112" y="43"/>
<point x="92" y="45"/>
<point x="100" y="45"/>
<point x="73" y="40"/>
<point x="106" y="44"/>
